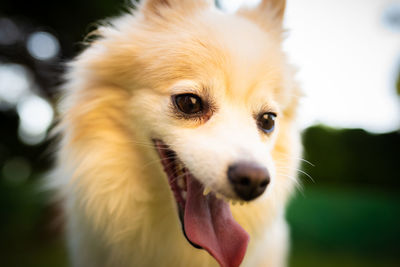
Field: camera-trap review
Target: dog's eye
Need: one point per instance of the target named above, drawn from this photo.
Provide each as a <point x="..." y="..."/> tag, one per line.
<point x="188" y="103"/>
<point x="266" y="122"/>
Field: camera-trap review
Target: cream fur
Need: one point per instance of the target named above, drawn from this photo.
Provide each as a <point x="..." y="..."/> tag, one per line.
<point x="118" y="206"/>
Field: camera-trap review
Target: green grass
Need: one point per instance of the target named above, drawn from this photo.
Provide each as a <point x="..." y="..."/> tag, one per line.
<point x="344" y="227"/>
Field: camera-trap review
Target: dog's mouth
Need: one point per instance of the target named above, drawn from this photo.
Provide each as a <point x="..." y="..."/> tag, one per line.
<point x="206" y="220"/>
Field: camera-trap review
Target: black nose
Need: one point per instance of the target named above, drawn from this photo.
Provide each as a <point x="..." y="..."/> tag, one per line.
<point x="248" y="179"/>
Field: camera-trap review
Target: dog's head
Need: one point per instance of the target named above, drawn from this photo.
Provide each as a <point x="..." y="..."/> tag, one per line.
<point x="214" y="94"/>
<point x="211" y="91"/>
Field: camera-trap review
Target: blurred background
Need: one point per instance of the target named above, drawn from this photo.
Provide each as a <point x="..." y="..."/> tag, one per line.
<point x="347" y="213"/>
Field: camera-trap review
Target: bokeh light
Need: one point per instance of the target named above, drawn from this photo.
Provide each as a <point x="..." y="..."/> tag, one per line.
<point x="36" y="116"/>
<point x="43" y="45"/>
<point x="15" y="81"/>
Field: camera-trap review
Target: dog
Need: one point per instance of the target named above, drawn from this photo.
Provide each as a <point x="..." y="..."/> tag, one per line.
<point x="178" y="139"/>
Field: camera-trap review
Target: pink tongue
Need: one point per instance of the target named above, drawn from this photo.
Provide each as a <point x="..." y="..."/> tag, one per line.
<point x="209" y="223"/>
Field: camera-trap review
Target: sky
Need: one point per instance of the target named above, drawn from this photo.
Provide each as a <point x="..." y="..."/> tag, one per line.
<point x="348" y="59"/>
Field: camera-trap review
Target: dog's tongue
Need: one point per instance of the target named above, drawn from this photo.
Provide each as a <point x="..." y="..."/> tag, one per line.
<point x="209" y="223"/>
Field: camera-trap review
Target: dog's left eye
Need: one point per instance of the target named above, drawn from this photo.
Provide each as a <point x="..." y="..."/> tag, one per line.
<point x="188" y="103"/>
<point x="266" y="122"/>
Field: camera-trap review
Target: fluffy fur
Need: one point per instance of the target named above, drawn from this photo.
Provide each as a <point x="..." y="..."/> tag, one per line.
<point x="118" y="206"/>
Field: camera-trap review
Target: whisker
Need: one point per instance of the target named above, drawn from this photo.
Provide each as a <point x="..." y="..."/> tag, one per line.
<point x="306" y="161"/>
<point x="301" y="171"/>
<point x="301" y="159"/>
<point x="298" y="185"/>
<point x="306" y="174"/>
<point x="159" y="160"/>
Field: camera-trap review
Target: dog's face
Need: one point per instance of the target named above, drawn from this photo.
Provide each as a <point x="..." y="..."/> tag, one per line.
<point x="213" y="93"/>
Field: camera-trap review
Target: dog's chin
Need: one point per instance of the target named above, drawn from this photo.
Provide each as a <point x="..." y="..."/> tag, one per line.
<point x="206" y="220"/>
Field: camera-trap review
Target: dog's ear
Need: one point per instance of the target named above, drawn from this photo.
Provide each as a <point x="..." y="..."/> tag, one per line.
<point x="268" y="14"/>
<point x="275" y="9"/>
<point x="162" y="8"/>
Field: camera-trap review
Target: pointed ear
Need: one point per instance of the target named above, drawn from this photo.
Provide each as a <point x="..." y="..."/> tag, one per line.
<point x="159" y="7"/>
<point x="276" y="8"/>
<point x="268" y="14"/>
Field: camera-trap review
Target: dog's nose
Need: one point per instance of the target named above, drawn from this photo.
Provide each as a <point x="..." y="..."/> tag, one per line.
<point x="248" y="179"/>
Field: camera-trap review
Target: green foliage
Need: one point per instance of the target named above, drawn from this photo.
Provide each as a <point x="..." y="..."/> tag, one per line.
<point x="352" y="157"/>
<point x="398" y="84"/>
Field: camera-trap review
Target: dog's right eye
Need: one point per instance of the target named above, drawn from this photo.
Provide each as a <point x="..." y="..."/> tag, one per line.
<point x="189" y="104"/>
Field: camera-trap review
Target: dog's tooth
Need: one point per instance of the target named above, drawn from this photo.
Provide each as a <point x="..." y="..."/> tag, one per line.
<point x="206" y="191"/>
<point x="242" y="203"/>
<point x="179" y="171"/>
<point x="181" y="182"/>
<point x="180" y="166"/>
<point x="233" y="202"/>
